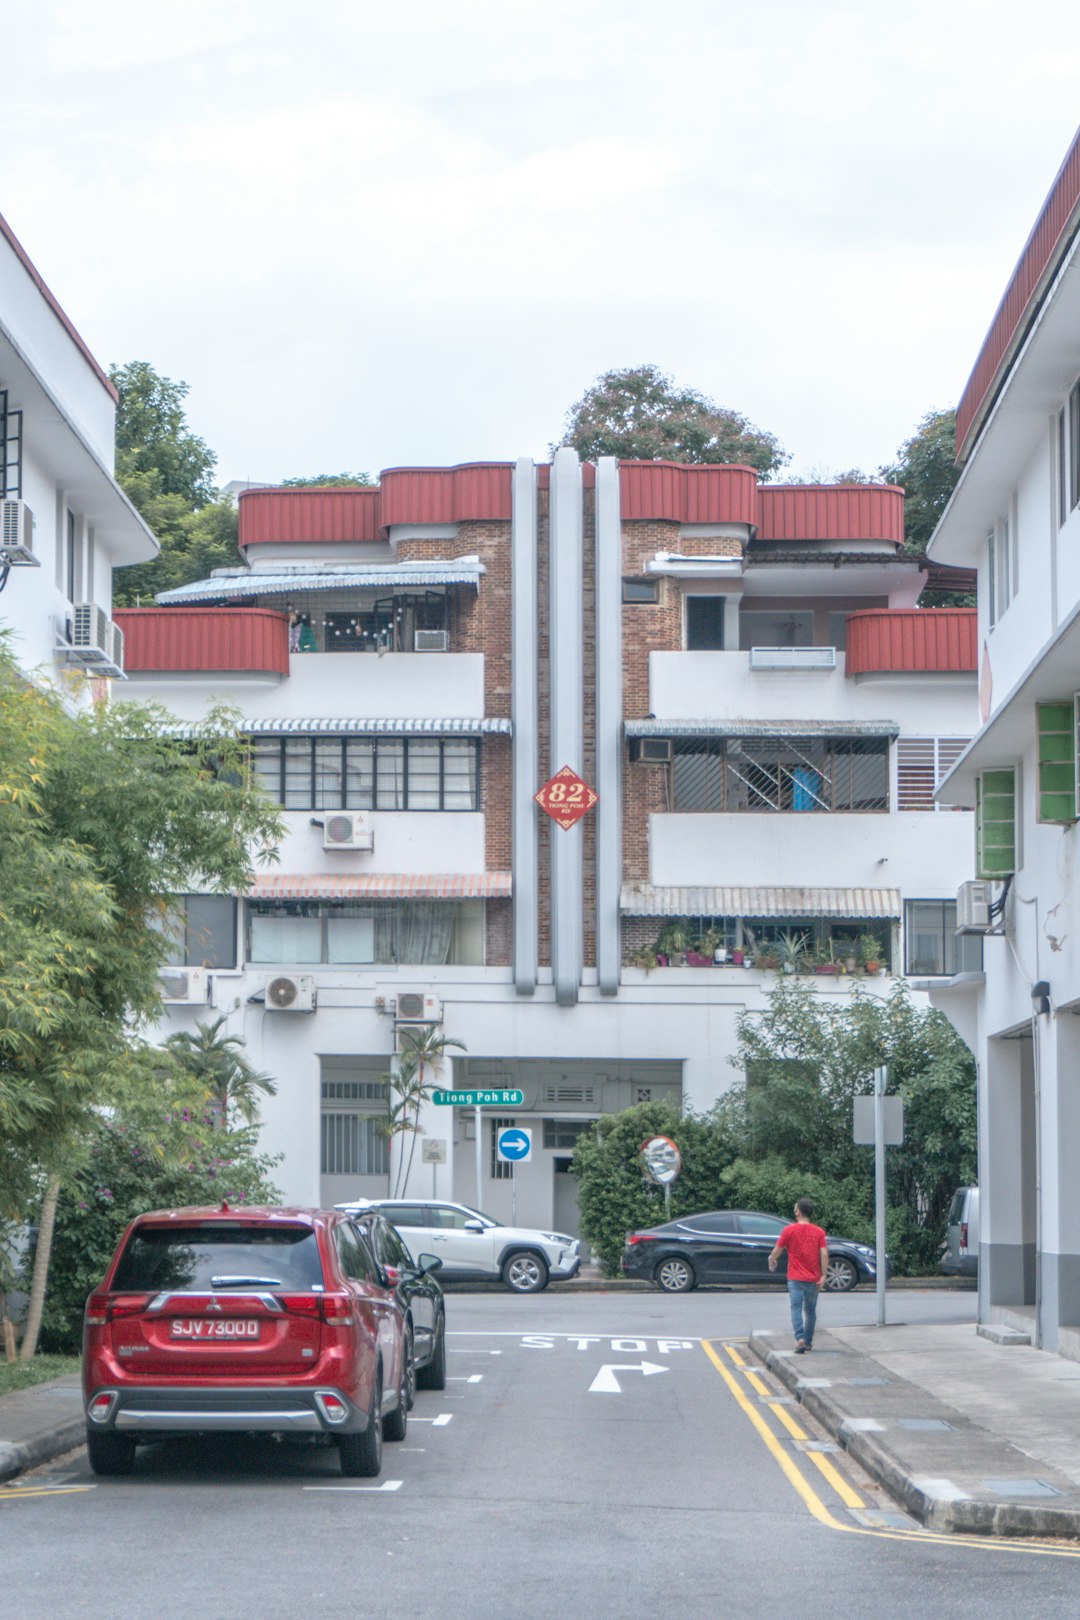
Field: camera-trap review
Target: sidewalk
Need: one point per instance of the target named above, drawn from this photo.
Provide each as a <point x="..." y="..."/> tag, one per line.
<point x="38" y="1424"/>
<point x="966" y="1435"/>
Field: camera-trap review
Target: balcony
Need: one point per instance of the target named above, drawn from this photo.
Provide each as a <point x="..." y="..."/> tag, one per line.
<point x="916" y="641"/>
<point x="251" y="642"/>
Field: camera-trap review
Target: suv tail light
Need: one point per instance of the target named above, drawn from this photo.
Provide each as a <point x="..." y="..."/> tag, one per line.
<point x="639" y="1237"/>
<point x="102" y="1308"/>
<point x="333" y="1309"/>
<point x="963" y="1234"/>
<point x="393" y="1275"/>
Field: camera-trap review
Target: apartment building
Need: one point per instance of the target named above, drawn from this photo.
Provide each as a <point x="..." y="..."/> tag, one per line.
<point x="1015" y="516"/>
<point x="740" y="672"/>
<point x="65" y="524"/>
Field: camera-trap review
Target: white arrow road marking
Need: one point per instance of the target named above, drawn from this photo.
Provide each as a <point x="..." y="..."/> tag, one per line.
<point x="606" y="1383"/>
<point x="387" y="1485"/>
<point x="439" y="1422"/>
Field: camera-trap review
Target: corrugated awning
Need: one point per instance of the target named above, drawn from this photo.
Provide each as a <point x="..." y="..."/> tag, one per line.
<point x="301" y="582"/>
<point x="762" y="728"/>
<point x="381" y="886"/>
<point x="452" y="727"/>
<point x="650" y="900"/>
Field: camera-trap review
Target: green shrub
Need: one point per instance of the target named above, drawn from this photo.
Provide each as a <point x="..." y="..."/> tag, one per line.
<point x="178" y="1159"/>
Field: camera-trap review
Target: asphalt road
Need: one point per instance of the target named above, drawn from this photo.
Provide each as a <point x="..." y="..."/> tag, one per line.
<point x="605" y="1454"/>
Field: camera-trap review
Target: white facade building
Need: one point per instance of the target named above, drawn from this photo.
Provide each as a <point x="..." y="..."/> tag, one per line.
<point x="1015" y="515"/>
<point x="740" y="671"/>
<point x="64" y="521"/>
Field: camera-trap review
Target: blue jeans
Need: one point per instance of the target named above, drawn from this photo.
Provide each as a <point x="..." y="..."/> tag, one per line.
<point x="803" y="1299"/>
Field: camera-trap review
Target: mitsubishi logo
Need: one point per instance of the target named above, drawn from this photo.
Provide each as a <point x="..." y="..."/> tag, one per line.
<point x="214" y="1306"/>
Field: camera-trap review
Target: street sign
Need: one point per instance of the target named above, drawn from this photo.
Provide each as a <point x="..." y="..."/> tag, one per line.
<point x="478" y="1099"/>
<point x="566" y="798"/>
<point x="864" y="1121"/>
<point x="433" y="1150"/>
<point x="514" y="1145"/>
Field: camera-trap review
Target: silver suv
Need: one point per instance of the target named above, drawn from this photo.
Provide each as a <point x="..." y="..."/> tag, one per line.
<point x="472" y="1246"/>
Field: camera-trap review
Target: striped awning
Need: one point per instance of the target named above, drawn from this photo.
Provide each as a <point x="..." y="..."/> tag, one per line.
<point x="455" y="726"/>
<point x="762" y="728"/>
<point x="301" y="582"/>
<point x="381" y="886"/>
<point x="649" y="900"/>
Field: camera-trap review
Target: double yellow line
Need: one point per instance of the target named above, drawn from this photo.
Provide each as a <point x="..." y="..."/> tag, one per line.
<point x="18" y="1493"/>
<point x="847" y="1494"/>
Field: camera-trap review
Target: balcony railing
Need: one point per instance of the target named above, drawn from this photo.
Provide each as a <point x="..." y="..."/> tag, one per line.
<point x="250" y="641"/>
<point x="912" y="641"/>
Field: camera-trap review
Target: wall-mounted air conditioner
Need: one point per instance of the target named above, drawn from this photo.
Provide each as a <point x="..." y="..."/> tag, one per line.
<point x="95" y="642"/>
<point x="184" y="986"/>
<point x="17" y="535"/>
<point x="348" y="829"/>
<point x="417" y="1007"/>
<point x="973" y="907"/>
<point x="286" y="993"/>
<point x="651" y="750"/>
<point x="431" y="641"/>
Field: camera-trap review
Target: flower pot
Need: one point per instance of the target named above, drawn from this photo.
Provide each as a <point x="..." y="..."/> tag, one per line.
<point x="720" y="955"/>
<point x="738" y="958"/>
<point x="825" y="967"/>
<point x="871" y="967"/>
<point x="661" y="959"/>
<point x="695" y="959"/>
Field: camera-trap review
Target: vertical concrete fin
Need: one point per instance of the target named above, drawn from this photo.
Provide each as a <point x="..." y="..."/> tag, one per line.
<point x="525" y="713"/>
<point x="566" y="663"/>
<point x="609" y="705"/>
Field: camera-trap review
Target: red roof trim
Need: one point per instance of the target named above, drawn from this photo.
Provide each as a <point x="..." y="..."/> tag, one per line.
<point x="54" y="304"/>
<point x="1042" y="253"/>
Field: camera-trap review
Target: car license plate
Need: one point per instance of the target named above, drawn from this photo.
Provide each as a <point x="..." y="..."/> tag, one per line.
<point x="205" y="1328"/>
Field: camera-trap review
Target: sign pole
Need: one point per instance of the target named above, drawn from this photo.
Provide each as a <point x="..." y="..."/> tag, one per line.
<point x="513" y="1195"/>
<point x="881" y="1078"/>
<point x="478" y="1117"/>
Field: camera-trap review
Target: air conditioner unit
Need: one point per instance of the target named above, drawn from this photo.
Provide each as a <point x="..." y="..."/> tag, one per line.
<point x="184" y="986"/>
<point x="417" y="1007"/>
<point x="287" y="994"/>
<point x="651" y="750"/>
<point x="95" y="643"/>
<point x="345" y="829"/>
<point x="431" y="641"/>
<point x="17" y="534"/>
<point x="973" y="908"/>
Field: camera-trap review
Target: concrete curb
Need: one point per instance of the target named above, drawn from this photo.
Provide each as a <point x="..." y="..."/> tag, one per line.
<point x="933" y="1501"/>
<point x="19" y="1456"/>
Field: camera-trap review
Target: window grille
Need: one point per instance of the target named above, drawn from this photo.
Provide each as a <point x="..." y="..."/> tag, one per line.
<point x="762" y="774"/>
<point x="500" y="1169"/>
<point x="368" y="773"/>
<point x="922" y="763"/>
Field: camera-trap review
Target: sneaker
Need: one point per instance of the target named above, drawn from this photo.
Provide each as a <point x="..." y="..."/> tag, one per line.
<point x="800" y="1348"/>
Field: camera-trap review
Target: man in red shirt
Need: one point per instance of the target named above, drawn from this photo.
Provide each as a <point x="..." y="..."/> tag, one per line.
<point x="808" y="1267"/>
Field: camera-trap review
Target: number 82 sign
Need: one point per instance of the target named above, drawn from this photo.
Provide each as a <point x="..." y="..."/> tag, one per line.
<point x="566" y="798"/>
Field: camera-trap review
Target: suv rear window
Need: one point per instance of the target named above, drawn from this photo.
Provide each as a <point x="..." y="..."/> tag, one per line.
<point x="221" y="1256"/>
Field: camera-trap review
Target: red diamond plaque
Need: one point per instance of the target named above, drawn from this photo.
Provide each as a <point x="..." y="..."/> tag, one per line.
<point x="566" y="798"/>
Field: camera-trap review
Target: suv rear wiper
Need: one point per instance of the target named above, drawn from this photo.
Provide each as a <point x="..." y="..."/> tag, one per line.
<point x="245" y="1282"/>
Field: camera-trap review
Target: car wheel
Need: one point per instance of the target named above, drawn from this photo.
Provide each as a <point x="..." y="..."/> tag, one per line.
<point x="110" y="1454"/>
<point x="361" y="1454"/>
<point x="433" y="1376"/>
<point x="397" y="1421"/>
<point x="675" y="1276"/>
<point x="525" y="1273"/>
<point x="841" y="1274"/>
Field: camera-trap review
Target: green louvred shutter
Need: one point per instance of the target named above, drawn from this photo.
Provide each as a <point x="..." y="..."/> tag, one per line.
<point x="995" y="823"/>
<point x="1055" y="723"/>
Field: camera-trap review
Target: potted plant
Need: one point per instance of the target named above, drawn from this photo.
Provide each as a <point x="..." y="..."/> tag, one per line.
<point x="646" y="956"/>
<point x="738" y="957"/>
<point x="869" y="948"/>
<point x="674" y="941"/>
<point x="791" y="949"/>
<point x="824" y="959"/>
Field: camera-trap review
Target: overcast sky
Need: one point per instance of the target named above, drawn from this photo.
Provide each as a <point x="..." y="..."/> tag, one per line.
<point x="371" y="235"/>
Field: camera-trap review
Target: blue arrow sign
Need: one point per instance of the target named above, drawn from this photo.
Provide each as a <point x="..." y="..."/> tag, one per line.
<point x="514" y="1145"/>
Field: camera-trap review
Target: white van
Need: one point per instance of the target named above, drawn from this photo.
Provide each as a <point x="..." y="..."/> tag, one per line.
<point x="960" y="1255"/>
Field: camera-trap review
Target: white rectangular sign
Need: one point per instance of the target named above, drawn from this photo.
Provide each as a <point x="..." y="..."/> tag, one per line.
<point x="864" y="1121"/>
<point x="433" y="1150"/>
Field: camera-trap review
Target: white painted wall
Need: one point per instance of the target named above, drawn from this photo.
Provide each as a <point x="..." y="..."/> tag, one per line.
<point x="421" y="841"/>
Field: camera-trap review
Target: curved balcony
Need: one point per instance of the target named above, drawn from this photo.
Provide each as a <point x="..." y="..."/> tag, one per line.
<point x="912" y="641"/>
<point x="184" y="641"/>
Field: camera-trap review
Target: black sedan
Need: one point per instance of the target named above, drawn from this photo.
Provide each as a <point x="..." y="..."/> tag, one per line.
<point x="731" y="1246"/>
<point x="421" y="1299"/>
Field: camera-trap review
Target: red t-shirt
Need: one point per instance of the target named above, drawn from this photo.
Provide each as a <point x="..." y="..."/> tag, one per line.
<point x="803" y="1242"/>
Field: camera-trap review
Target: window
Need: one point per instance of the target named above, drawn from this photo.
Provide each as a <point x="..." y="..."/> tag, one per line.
<point x="293" y="932"/>
<point x="353" y="1141"/>
<point x="202" y="931"/>
<point x="357" y="1261"/>
<point x="563" y="1133"/>
<point x="11" y="425"/>
<point x="1003" y="566"/>
<point x="501" y="1169"/>
<point x="1074" y="446"/>
<point x="780" y="773"/>
<point x="453" y="1220"/>
<point x="1056" y="740"/>
<point x="409" y="1215"/>
<point x="838" y="628"/>
<point x="715" y="1224"/>
<point x="641" y="590"/>
<point x="995" y="823"/>
<point x="705" y="623"/>
<point x="368" y="773"/>
<point x="761" y="1225"/>
<point x="70" y="557"/>
<point x="786" y="627"/>
<point x="932" y="946"/>
<point x="922" y="763"/>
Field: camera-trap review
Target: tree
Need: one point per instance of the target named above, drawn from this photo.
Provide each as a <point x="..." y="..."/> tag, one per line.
<point x="926" y="470"/>
<point x="640" y="414"/>
<point x="331" y="481"/>
<point x="409" y="1087"/>
<point x="105" y="816"/>
<point x="217" y="1064"/>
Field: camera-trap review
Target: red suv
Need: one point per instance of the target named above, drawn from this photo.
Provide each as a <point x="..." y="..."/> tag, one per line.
<point x="273" y="1321"/>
